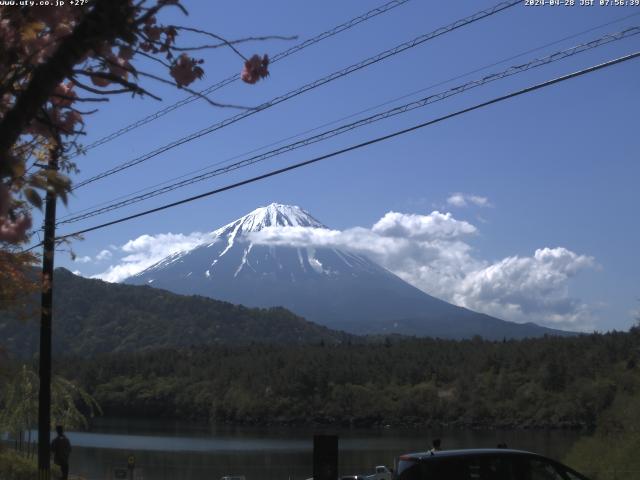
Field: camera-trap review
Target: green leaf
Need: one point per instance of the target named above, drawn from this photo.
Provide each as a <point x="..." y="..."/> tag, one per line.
<point x="62" y="194"/>
<point x="19" y="169"/>
<point x="33" y="197"/>
<point x="38" y="180"/>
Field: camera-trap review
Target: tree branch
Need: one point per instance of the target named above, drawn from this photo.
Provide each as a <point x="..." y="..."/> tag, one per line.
<point x="151" y="57"/>
<point x="228" y="43"/>
<point x="88" y="88"/>
<point x="130" y="86"/>
<point x="80" y="99"/>
<point x="213" y="35"/>
<point x="84" y="112"/>
<point x="193" y="92"/>
<point x="108" y="20"/>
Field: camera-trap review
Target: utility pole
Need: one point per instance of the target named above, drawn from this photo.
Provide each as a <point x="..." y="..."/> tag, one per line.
<point x="46" y="317"/>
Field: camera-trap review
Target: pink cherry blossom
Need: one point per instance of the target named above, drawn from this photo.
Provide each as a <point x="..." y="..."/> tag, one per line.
<point x="65" y="90"/>
<point x="126" y="53"/>
<point x="118" y="66"/>
<point x="100" y="81"/>
<point x="14" y="231"/>
<point x="63" y="30"/>
<point x="255" y="68"/>
<point x="40" y="49"/>
<point x="54" y="16"/>
<point x="68" y="122"/>
<point x="8" y="34"/>
<point x="153" y="32"/>
<point x="6" y="101"/>
<point x="38" y="128"/>
<point x="185" y="70"/>
<point x="28" y="39"/>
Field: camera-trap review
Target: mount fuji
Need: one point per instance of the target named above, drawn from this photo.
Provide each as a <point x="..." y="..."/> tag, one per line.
<point x="332" y="287"/>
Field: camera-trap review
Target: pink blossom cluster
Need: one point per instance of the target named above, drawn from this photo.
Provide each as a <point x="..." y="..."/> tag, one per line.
<point x="12" y="229"/>
<point x="186" y="70"/>
<point x="255" y="69"/>
<point x="29" y="37"/>
<point x="158" y="38"/>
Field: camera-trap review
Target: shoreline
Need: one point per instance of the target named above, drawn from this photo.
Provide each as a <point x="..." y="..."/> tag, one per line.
<point x="358" y="424"/>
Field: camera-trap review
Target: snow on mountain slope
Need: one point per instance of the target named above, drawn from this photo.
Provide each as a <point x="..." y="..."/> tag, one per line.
<point x="231" y="250"/>
<point x="329" y="286"/>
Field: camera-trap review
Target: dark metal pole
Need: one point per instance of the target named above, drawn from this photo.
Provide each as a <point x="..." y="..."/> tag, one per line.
<point x="46" y="316"/>
<point x="325" y="457"/>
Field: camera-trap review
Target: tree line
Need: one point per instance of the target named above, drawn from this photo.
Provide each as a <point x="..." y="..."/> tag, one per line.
<point x="546" y="382"/>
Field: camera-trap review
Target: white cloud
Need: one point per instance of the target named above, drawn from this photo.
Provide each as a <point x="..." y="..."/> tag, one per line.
<point x="457" y="200"/>
<point x="479" y="201"/>
<point x="430" y="252"/>
<point x="144" y="251"/>
<point x="435" y="225"/>
<point x="104" y="255"/>
<point x="462" y="200"/>
<point x="394" y="230"/>
<point x="528" y="288"/>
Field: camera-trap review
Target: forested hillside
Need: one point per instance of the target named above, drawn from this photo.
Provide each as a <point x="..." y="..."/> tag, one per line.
<point x="547" y="382"/>
<point x="92" y="316"/>
<point x="612" y="452"/>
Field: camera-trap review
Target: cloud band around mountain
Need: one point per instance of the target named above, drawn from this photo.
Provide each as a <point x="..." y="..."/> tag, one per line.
<point x="429" y="251"/>
<point x="144" y="251"/>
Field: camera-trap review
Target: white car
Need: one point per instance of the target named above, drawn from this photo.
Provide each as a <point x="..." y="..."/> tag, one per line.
<point x="382" y="473"/>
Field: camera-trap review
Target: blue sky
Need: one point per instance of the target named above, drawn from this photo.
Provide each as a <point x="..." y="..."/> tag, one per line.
<point x="558" y="168"/>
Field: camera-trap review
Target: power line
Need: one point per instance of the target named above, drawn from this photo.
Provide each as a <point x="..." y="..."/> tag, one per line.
<point x="223" y="83"/>
<point x="360" y="145"/>
<point x="514" y="70"/>
<point x="333" y="122"/>
<point x="305" y="88"/>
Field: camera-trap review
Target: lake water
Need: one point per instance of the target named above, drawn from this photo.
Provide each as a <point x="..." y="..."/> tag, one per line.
<point x="167" y="450"/>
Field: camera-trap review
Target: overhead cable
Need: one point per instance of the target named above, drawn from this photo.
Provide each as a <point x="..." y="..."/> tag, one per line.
<point x="373" y="141"/>
<point x="347" y="117"/>
<point x="305" y="88"/>
<point x="513" y="70"/>
<point x="233" y="78"/>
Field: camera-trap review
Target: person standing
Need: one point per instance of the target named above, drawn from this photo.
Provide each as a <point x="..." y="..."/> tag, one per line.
<point x="61" y="449"/>
<point x="435" y="446"/>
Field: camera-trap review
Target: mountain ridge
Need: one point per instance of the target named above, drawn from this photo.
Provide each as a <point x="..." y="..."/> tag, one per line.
<point x="332" y="287"/>
<point x="92" y="316"/>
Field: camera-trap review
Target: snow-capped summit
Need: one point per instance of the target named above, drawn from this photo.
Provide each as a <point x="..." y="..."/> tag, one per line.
<point x="232" y="250"/>
<point x="275" y="214"/>
<point x="333" y="287"/>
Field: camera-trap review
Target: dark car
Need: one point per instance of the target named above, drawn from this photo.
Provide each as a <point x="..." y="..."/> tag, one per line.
<point x="482" y="464"/>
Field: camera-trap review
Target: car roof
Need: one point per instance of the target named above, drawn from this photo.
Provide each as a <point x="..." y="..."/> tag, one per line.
<point x="418" y="456"/>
